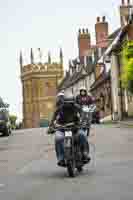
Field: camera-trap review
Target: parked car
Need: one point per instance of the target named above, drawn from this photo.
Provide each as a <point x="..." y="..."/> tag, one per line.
<point x="5" y="125"/>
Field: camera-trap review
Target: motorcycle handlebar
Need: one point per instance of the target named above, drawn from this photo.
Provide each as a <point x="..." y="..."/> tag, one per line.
<point x="57" y="127"/>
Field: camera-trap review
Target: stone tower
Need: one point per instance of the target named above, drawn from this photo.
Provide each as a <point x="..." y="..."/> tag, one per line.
<point x="125" y="11"/>
<point x="84" y="43"/>
<point x="39" y="86"/>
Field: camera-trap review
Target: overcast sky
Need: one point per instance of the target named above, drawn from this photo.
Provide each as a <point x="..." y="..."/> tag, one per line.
<point x="46" y="24"/>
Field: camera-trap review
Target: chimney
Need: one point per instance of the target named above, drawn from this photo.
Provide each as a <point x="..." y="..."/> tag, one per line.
<point x="84" y="42"/>
<point x="98" y="19"/>
<point x="125" y="11"/>
<point x="101" y="30"/>
<point x="104" y="18"/>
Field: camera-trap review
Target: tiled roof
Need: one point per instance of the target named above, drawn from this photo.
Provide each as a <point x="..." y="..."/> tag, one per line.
<point x="71" y="80"/>
<point x="115" y="45"/>
<point x="100" y="80"/>
<point x="114" y="34"/>
<point x="68" y="81"/>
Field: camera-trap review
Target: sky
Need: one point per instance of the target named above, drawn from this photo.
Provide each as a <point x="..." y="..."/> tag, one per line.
<point x="48" y="25"/>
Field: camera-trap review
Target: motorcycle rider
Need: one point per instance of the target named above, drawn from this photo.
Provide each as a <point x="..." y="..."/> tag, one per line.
<point x="61" y="119"/>
<point x="84" y="99"/>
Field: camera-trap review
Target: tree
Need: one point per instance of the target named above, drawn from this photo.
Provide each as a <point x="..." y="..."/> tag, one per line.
<point x="127" y="72"/>
<point x="13" y="120"/>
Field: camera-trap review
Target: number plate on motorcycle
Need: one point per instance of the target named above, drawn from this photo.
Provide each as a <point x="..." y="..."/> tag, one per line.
<point x="67" y="143"/>
<point x="68" y="133"/>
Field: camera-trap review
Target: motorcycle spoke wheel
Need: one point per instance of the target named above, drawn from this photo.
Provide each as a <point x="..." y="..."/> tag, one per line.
<point x="71" y="169"/>
<point x="79" y="169"/>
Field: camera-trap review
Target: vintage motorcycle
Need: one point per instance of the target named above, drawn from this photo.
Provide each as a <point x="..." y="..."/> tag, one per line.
<point x="86" y="117"/>
<point x="72" y="150"/>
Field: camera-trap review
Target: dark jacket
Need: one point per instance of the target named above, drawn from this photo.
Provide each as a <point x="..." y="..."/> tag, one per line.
<point x="66" y="112"/>
<point x="84" y="100"/>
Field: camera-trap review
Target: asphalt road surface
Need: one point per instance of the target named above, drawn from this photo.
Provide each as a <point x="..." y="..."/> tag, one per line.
<point x="28" y="168"/>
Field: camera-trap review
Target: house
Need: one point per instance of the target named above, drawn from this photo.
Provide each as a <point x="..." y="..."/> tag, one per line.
<point x="122" y="98"/>
<point x="82" y="70"/>
<point x="77" y="76"/>
<point x="101" y="64"/>
<point x="114" y="102"/>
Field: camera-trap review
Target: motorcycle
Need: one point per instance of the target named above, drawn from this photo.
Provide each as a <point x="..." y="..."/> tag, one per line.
<point x="72" y="150"/>
<point x="86" y="117"/>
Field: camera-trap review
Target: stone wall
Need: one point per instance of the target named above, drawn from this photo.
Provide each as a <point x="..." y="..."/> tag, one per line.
<point x="39" y="91"/>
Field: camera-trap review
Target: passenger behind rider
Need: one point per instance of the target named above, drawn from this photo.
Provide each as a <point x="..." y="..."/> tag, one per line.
<point x="84" y="99"/>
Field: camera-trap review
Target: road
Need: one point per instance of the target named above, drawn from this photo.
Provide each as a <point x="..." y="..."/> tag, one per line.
<point x="28" y="168"/>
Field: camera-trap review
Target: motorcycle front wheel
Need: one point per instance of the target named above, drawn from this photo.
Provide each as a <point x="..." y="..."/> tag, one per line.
<point x="71" y="168"/>
<point x="80" y="169"/>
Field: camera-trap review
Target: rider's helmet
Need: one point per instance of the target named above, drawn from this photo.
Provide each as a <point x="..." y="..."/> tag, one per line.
<point x="83" y="91"/>
<point x="60" y="98"/>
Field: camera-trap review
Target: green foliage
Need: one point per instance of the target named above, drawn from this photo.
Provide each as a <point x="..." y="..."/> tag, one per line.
<point x="13" y="119"/>
<point x="3" y="104"/>
<point x="127" y="72"/>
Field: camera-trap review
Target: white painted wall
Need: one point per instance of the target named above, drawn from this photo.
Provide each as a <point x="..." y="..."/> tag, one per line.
<point x="88" y="81"/>
<point x="115" y="85"/>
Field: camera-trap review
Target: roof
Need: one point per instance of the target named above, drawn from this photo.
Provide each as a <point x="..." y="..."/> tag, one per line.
<point x="114" y="34"/>
<point x="71" y="80"/>
<point x="68" y="81"/>
<point x="117" y="41"/>
<point x="100" y="80"/>
<point x="64" y="82"/>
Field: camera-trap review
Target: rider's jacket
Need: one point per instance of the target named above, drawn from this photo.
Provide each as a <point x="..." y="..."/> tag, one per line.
<point x="84" y="100"/>
<point x="66" y="113"/>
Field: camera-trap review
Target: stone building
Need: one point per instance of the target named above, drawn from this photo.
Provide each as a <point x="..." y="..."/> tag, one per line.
<point x="39" y="86"/>
<point x="122" y="98"/>
<point x="112" y="60"/>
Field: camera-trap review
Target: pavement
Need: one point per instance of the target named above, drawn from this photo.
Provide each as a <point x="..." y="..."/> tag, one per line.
<point x="28" y="168"/>
<point x="127" y="123"/>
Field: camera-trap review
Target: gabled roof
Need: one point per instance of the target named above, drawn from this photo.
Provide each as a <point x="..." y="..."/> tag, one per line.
<point x="68" y="81"/>
<point x="100" y="80"/>
<point x="117" y="41"/>
<point x="114" y="34"/>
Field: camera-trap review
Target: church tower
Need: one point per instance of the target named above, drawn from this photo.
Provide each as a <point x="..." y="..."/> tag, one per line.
<point x="39" y="86"/>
